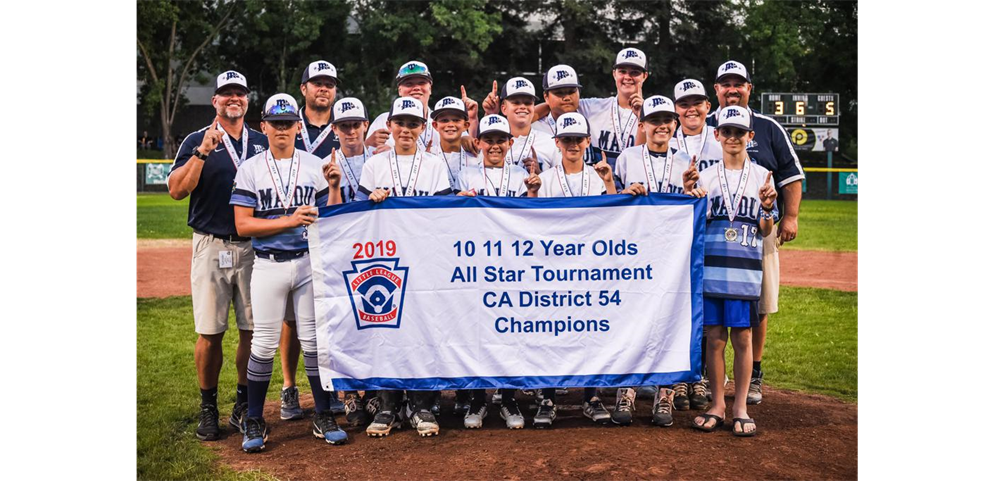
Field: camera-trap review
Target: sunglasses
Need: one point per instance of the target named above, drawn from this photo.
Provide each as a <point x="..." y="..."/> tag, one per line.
<point x="413" y="69"/>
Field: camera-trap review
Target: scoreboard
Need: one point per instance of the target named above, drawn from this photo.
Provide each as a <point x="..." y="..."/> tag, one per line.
<point x="801" y="109"/>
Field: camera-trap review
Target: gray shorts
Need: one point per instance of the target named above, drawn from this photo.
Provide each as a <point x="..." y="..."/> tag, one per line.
<point x="214" y="288"/>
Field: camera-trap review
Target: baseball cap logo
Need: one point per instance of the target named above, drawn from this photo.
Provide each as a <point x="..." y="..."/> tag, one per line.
<point x="323" y="66"/>
<point x="568" y="122"/>
<point x="520" y="84"/>
<point x="281" y="106"/>
<point x="346" y="106"/>
<point x="728" y="66"/>
<point x="631" y="54"/>
<point x="687" y="86"/>
<point x="448" y="101"/>
<point x="494" y="120"/>
<point x="732" y="113"/>
<point x="657" y="101"/>
<point x="232" y="74"/>
<point x="562" y="74"/>
<point x="407" y="104"/>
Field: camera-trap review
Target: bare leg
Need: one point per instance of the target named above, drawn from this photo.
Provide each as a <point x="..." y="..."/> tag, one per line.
<point x="759" y="337"/>
<point x="290" y="353"/>
<point x="207" y="356"/>
<point x="242" y="356"/>
<point x="716" y="367"/>
<point x="742" y="369"/>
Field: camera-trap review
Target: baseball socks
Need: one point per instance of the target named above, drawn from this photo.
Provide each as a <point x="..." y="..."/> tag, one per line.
<point x="209" y="396"/>
<point x="260" y="371"/>
<point x="322" y="398"/>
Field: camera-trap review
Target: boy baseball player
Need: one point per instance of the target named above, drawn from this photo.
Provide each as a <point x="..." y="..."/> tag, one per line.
<point x="450" y="120"/>
<point x="516" y="102"/>
<point x="274" y="199"/>
<point x="695" y="137"/>
<point x="574" y="178"/>
<point x="741" y="211"/>
<point x="404" y="170"/>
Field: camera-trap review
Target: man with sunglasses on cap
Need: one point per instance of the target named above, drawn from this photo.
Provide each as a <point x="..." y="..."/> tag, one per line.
<point x="318" y="85"/>
<point x="404" y="171"/>
<point x="414" y="80"/>
<point x="573" y="178"/>
<point x="221" y="265"/>
<point x="275" y="197"/>
<point x="771" y="148"/>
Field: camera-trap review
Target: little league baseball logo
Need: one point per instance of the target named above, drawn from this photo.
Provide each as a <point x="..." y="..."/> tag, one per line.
<point x="379" y="286"/>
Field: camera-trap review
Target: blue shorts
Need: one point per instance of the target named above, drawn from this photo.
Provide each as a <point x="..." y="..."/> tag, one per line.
<point x="730" y="312"/>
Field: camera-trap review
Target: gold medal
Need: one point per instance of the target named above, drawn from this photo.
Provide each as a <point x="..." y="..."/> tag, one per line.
<point x="731" y="234"/>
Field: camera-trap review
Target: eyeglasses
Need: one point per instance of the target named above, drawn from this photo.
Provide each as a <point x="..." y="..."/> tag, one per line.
<point x="282" y="124"/>
<point x="731" y="132"/>
<point x="407" y="124"/>
<point x="660" y="120"/>
<point x="570" y="140"/>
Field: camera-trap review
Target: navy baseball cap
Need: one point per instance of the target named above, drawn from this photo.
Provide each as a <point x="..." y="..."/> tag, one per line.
<point x="320" y="68"/>
<point x="231" y="77"/>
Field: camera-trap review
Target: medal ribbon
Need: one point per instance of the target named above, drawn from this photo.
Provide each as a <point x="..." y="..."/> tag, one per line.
<point x="668" y="165"/>
<point x="350" y="175"/>
<point x="585" y="182"/>
<point x="505" y="181"/>
<point x="623" y="142"/>
<point x="284" y="191"/>
<point x="525" y="148"/>
<point x="307" y="139"/>
<point x="681" y="138"/>
<point x="231" y="148"/>
<point x="395" y="174"/>
<point x="463" y="163"/>
<point x="724" y="183"/>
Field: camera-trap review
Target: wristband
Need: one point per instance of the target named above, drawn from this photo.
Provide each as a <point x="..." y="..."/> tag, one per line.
<point x="764" y="214"/>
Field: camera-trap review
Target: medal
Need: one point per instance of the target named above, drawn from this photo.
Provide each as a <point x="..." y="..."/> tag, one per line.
<point x="395" y="174"/>
<point x="727" y="198"/>
<point x="231" y="148"/>
<point x="307" y="138"/>
<point x="731" y="234"/>
<point x="284" y="191"/>
<point x="623" y="140"/>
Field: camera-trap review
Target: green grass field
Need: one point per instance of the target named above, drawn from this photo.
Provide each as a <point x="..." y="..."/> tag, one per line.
<point x="812" y="347"/>
<point x="826" y="225"/>
<point x="829" y="225"/>
<point x="161" y="217"/>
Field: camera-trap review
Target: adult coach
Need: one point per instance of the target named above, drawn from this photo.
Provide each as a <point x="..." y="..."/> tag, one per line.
<point x="770" y="148"/>
<point x="318" y="86"/>
<point x="221" y="265"/>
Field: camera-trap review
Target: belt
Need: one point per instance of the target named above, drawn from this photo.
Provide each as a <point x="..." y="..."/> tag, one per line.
<point x="226" y="238"/>
<point x="281" y="256"/>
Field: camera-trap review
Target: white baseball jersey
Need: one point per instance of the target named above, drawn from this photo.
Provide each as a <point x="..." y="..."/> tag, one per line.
<point x="557" y="183"/>
<point x="264" y="186"/>
<point x="457" y="161"/>
<point x="704" y="147"/>
<point x="613" y="128"/>
<point x="631" y="168"/>
<point x="431" y="177"/>
<point x="489" y="180"/>
<point x="352" y="171"/>
<point x="547" y="124"/>
<point x="430" y="135"/>
<point x="544" y="145"/>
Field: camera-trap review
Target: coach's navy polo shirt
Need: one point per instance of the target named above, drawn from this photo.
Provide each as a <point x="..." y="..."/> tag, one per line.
<point x="325" y="147"/>
<point x="772" y="149"/>
<point x="210" y="208"/>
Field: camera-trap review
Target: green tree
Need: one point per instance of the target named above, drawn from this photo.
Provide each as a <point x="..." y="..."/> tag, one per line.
<point x="175" y="43"/>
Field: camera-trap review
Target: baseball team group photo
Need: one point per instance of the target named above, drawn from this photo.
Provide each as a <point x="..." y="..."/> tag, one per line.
<point x="472" y="239"/>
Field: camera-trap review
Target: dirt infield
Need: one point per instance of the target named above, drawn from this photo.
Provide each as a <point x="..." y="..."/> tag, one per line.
<point x="800" y="437"/>
<point x="164" y="269"/>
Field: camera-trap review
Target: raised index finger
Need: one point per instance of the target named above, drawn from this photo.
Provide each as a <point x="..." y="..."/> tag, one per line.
<point x="494" y="90"/>
<point x="768" y="177"/>
<point x="462" y="90"/>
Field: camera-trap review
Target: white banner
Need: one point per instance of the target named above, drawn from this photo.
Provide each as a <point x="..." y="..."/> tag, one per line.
<point x="432" y="293"/>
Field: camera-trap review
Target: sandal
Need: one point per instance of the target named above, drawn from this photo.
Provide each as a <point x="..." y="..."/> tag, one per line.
<point x="742" y="432"/>
<point x="702" y="427"/>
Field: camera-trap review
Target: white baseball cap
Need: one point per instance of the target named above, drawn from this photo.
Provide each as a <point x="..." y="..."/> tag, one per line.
<point x="494" y="123"/>
<point x="320" y="68"/>
<point x="281" y="107"/>
<point x="572" y="124"/>
<point x="735" y="116"/>
<point x="231" y="77"/>
<point x="348" y="109"/>
<point x="413" y="68"/>
<point x="632" y="57"/>
<point x="732" y="67"/>
<point x="519" y="86"/>
<point x="657" y="104"/>
<point x="449" y="104"/>
<point x="689" y="87"/>
<point x="408" y="107"/>
<point x="560" y="76"/>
